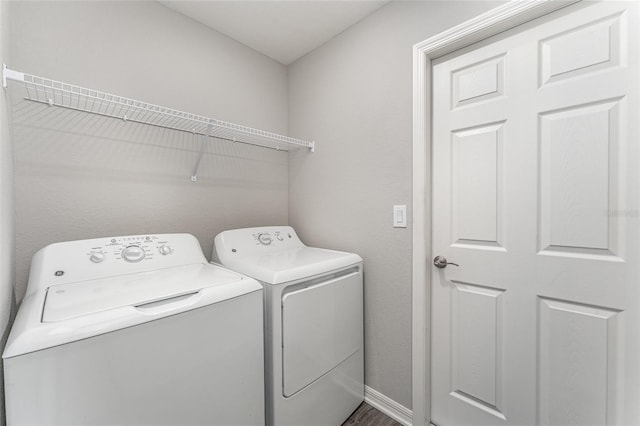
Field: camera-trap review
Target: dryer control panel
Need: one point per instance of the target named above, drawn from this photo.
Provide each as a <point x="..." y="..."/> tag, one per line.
<point x="249" y="241"/>
<point x="275" y="237"/>
<point x="110" y="256"/>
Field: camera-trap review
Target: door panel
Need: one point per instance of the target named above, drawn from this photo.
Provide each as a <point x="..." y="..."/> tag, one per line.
<point x="577" y="364"/>
<point x="536" y="197"/>
<point x="476" y="353"/>
<point x="574" y="204"/>
<point x="477" y="189"/>
<point x="477" y="82"/>
<point x="321" y="327"/>
<point x="581" y="50"/>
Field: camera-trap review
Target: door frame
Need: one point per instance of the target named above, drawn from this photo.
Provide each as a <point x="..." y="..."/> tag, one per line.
<point x="502" y="18"/>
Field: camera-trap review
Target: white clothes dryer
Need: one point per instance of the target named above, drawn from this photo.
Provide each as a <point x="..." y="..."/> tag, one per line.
<point x="135" y="330"/>
<point x="313" y="323"/>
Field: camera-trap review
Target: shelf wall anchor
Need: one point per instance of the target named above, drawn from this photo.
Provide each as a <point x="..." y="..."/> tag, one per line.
<point x="8" y="74"/>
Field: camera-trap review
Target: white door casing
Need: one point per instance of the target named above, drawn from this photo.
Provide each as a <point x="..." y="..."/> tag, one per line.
<point x="535" y="195"/>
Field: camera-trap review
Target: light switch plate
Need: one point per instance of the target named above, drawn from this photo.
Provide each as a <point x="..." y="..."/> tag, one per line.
<point x="400" y="216"/>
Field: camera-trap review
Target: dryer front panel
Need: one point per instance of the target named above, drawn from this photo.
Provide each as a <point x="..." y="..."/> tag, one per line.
<point x="322" y="326"/>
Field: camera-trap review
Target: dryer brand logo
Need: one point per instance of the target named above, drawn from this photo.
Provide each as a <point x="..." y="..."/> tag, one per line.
<point x="59" y="273"/>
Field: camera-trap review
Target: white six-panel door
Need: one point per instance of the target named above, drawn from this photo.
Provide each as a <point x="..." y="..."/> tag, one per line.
<point x="536" y="177"/>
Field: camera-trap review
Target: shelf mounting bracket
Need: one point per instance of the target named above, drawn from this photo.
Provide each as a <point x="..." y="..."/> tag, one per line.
<point x="207" y="135"/>
<point x="9" y="74"/>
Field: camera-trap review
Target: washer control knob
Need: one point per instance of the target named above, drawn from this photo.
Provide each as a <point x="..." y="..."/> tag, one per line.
<point x="133" y="254"/>
<point x="264" y="239"/>
<point x="164" y="249"/>
<point x="96" y="257"/>
<point x="279" y="237"/>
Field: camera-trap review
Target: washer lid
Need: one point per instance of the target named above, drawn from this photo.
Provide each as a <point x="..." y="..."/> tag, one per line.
<point x="84" y="309"/>
<point x="290" y="265"/>
<point x="72" y="300"/>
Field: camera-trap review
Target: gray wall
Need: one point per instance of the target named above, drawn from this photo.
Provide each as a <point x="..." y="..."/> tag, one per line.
<point x="353" y="96"/>
<point x="82" y="176"/>
<point x="7" y="233"/>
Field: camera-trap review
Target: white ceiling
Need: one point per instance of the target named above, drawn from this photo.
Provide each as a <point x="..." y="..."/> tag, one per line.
<point x="284" y="30"/>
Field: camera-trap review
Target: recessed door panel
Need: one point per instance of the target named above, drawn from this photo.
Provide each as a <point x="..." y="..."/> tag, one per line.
<point x="477" y="184"/>
<point x="478" y="82"/>
<point x="321" y="327"/>
<point x="476" y="355"/>
<point x="578" y="363"/>
<point x="578" y="177"/>
<point x="581" y="50"/>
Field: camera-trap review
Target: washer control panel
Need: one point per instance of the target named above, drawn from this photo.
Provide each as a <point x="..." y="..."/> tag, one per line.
<point x="97" y="258"/>
<point x="131" y="249"/>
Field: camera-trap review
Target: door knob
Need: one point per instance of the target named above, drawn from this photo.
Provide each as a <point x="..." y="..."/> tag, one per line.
<point x="441" y="262"/>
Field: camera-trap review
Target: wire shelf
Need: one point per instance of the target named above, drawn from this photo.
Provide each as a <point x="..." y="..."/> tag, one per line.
<point x="65" y="95"/>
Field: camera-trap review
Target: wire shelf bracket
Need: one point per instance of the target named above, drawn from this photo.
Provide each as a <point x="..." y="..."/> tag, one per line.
<point x="194" y="174"/>
<point x="69" y="96"/>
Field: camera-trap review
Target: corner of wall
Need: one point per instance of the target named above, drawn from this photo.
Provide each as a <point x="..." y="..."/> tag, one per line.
<point x="7" y="229"/>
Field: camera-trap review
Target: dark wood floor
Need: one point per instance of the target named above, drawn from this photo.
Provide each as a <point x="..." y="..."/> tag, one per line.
<point x="366" y="415"/>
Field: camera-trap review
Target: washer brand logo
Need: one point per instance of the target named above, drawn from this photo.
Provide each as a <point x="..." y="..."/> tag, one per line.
<point x="59" y="273"/>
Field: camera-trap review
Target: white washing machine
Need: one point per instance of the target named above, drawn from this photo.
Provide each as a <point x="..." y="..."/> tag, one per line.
<point x="313" y="323"/>
<point x="136" y="330"/>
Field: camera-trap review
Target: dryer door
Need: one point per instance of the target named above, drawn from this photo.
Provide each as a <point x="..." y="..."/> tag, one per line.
<point x="322" y="325"/>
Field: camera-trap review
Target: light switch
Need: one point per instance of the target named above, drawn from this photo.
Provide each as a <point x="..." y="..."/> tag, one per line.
<point x="400" y="216"/>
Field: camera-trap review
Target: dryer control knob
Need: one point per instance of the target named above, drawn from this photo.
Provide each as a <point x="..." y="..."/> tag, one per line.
<point x="164" y="249"/>
<point x="264" y="239"/>
<point x="133" y="254"/>
<point x="96" y="257"/>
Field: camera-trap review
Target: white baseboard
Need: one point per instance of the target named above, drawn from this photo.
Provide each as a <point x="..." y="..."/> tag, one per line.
<point x="388" y="406"/>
